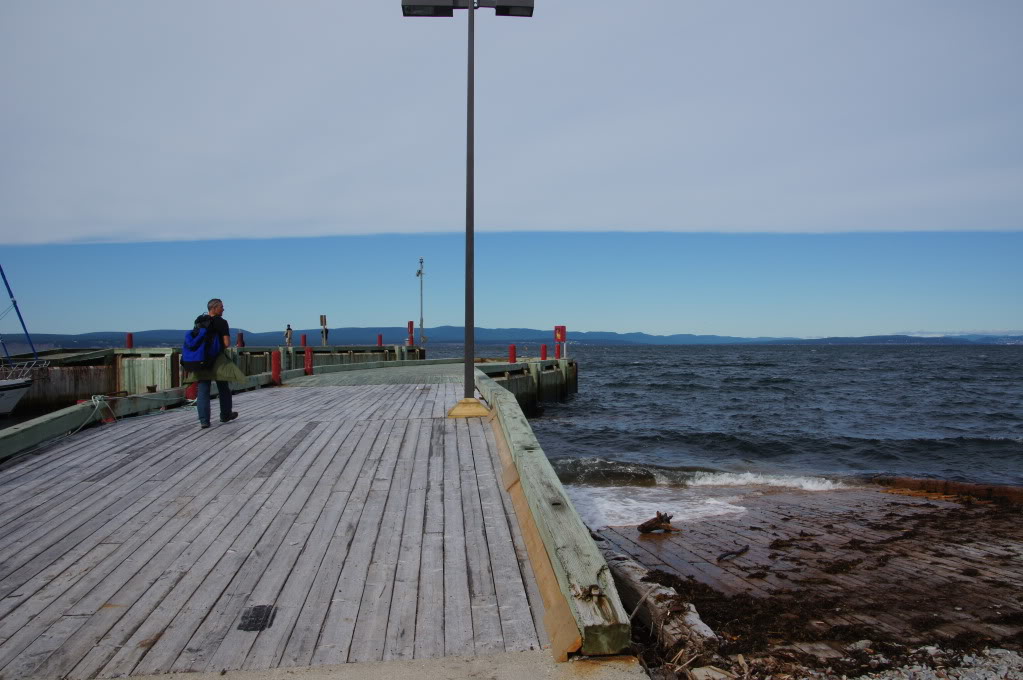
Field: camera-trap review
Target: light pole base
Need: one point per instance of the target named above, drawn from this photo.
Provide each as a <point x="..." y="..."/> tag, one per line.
<point x="469" y="408"/>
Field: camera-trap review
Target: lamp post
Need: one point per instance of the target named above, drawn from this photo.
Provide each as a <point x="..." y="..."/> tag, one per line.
<point x="469" y="406"/>
<point x="421" y="274"/>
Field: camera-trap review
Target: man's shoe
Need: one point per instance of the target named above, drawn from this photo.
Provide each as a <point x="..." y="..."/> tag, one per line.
<point x="203" y="426"/>
<point x="234" y="414"/>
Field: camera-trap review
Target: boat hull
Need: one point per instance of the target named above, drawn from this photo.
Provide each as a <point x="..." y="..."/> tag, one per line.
<point x="11" y="392"/>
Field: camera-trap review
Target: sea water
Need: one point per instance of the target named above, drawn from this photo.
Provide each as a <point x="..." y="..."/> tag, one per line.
<point x="685" y="428"/>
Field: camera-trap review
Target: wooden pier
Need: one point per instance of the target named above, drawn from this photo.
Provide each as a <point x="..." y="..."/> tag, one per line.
<point x="814" y="571"/>
<point x="330" y="523"/>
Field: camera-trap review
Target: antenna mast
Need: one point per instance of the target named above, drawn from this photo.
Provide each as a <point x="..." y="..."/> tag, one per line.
<point x="421" y="274"/>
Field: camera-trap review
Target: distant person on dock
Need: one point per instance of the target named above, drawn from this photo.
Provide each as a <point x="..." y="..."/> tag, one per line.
<point x="287" y="336"/>
<point x="224" y="371"/>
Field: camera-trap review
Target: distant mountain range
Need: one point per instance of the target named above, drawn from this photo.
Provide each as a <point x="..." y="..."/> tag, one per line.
<point x="454" y="334"/>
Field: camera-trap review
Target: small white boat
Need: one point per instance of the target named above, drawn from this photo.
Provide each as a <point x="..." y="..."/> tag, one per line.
<point x="11" y="392"/>
<point x="15" y="381"/>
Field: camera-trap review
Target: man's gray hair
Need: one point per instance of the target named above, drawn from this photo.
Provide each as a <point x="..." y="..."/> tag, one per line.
<point x="213" y="303"/>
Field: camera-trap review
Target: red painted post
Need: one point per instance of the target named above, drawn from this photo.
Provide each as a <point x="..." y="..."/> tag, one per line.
<point x="240" y="342"/>
<point x="511" y="354"/>
<point x="275" y="366"/>
<point x="192" y="391"/>
<point x="380" y="339"/>
<point x="304" y="341"/>
<point x="308" y="360"/>
<point x="129" y="340"/>
<point x="543" y="352"/>
<point x="411" y="334"/>
<point x="557" y="350"/>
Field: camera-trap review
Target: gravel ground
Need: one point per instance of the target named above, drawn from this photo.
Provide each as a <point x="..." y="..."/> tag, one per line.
<point x="991" y="664"/>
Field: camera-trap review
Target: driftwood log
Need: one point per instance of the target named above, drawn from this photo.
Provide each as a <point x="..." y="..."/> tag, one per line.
<point x="661" y="522"/>
<point x="679" y="629"/>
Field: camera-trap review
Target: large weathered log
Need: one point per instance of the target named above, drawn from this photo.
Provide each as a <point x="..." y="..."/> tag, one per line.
<point x="676" y="624"/>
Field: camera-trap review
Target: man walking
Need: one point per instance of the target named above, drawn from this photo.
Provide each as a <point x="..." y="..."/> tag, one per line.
<point x="287" y="336"/>
<point x="224" y="371"/>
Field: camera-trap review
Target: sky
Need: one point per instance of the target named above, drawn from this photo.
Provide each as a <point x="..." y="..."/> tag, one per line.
<point x="621" y="150"/>
<point x="807" y="285"/>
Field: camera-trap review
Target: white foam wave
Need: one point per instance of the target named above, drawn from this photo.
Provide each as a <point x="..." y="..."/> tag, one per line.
<point x="601" y="506"/>
<point x="755" y="479"/>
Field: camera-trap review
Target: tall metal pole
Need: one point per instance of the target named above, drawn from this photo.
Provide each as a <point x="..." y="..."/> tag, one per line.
<point x="421" y="274"/>
<point x="22" y="320"/>
<point x="469" y="376"/>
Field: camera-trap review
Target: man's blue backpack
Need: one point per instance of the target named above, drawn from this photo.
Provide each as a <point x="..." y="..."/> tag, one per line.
<point x="201" y="345"/>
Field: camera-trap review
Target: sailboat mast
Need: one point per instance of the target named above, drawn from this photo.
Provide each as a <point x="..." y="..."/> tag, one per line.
<point x="18" y="311"/>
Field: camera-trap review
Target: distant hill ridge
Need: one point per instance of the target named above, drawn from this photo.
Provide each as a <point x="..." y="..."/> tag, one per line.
<point x="397" y="334"/>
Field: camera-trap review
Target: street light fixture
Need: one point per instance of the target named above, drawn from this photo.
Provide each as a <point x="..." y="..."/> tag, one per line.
<point x="469" y="406"/>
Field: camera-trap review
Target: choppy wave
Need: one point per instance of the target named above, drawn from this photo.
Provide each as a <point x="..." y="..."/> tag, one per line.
<point x="839" y="412"/>
<point x="755" y="479"/>
<point x="604" y="473"/>
<point x="600" y="506"/>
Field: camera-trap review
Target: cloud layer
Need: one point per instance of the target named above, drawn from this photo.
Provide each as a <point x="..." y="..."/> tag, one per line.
<point x="191" y="120"/>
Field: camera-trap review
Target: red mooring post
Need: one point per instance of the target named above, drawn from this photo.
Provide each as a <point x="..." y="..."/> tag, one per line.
<point x="411" y="333"/>
<point x="543" y="352"/>
<point x="511" y="354"/>
<point x="129" y="340"/>
<point x="240" y="342"/>
<point x="308" y="360"/>
<point x="380" y="339"/>
<point x="557" y="350"/>
<point x="304" y="341"/>
<point x="275" y="367"/>
<point x="192" y="391"/>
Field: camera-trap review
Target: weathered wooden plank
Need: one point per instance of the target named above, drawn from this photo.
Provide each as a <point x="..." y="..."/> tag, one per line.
<point x="339" y="625"/>
<point x="532" y="590"/>
<point x="430" y="620"/>
<point x="303" y="642"/>
<point x="220" y="599"/>
<point x="109" y="575"/>
<point x="49" y="640"/>
<point x="516" y="624"/>
<point x="341" y="477"/>
<point x="73" y="531"/>
<point x="183" y="579"/>
<point x="71" y="506"/>
<point x="582" y="573"/>
<point x="401" y="624"/>
<point x="486" y="620"/>
<point x="458" y="638"/>
<point x="321" y="475"/>
<point x="136" y="611"/>
<point x="369" y="636"/>
<point x="101" y="651"/>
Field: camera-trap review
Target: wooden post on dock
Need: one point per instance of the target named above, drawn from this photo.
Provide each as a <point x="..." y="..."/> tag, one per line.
<point x="308" y="360"/>
<point x="275" y="367"/>
<point x="129" y="340"/>
<point x="304" y="340"/>
<point x="543" y="352"/>
<point x="511" y="354"/>
<point x="380" y="339"/>
<point x="240" y="342"/>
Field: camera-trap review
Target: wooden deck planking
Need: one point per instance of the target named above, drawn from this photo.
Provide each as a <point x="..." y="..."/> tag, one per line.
<point x="101" y="582"/>
<point x="889" y="561"/>
<point x="374" y="527"/>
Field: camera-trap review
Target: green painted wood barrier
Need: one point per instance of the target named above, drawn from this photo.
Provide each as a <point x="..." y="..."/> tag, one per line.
<point x="582" y="573"/>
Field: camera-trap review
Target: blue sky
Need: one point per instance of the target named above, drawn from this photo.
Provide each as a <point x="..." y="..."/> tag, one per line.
<point x="747" y="168"/>
<point x="728" y="284"/>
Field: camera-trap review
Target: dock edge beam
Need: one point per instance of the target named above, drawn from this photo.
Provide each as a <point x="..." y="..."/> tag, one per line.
<point x="584" y="612"/>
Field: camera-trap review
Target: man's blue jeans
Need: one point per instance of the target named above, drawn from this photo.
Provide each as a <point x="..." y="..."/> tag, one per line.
<point x="202" y="404"/>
